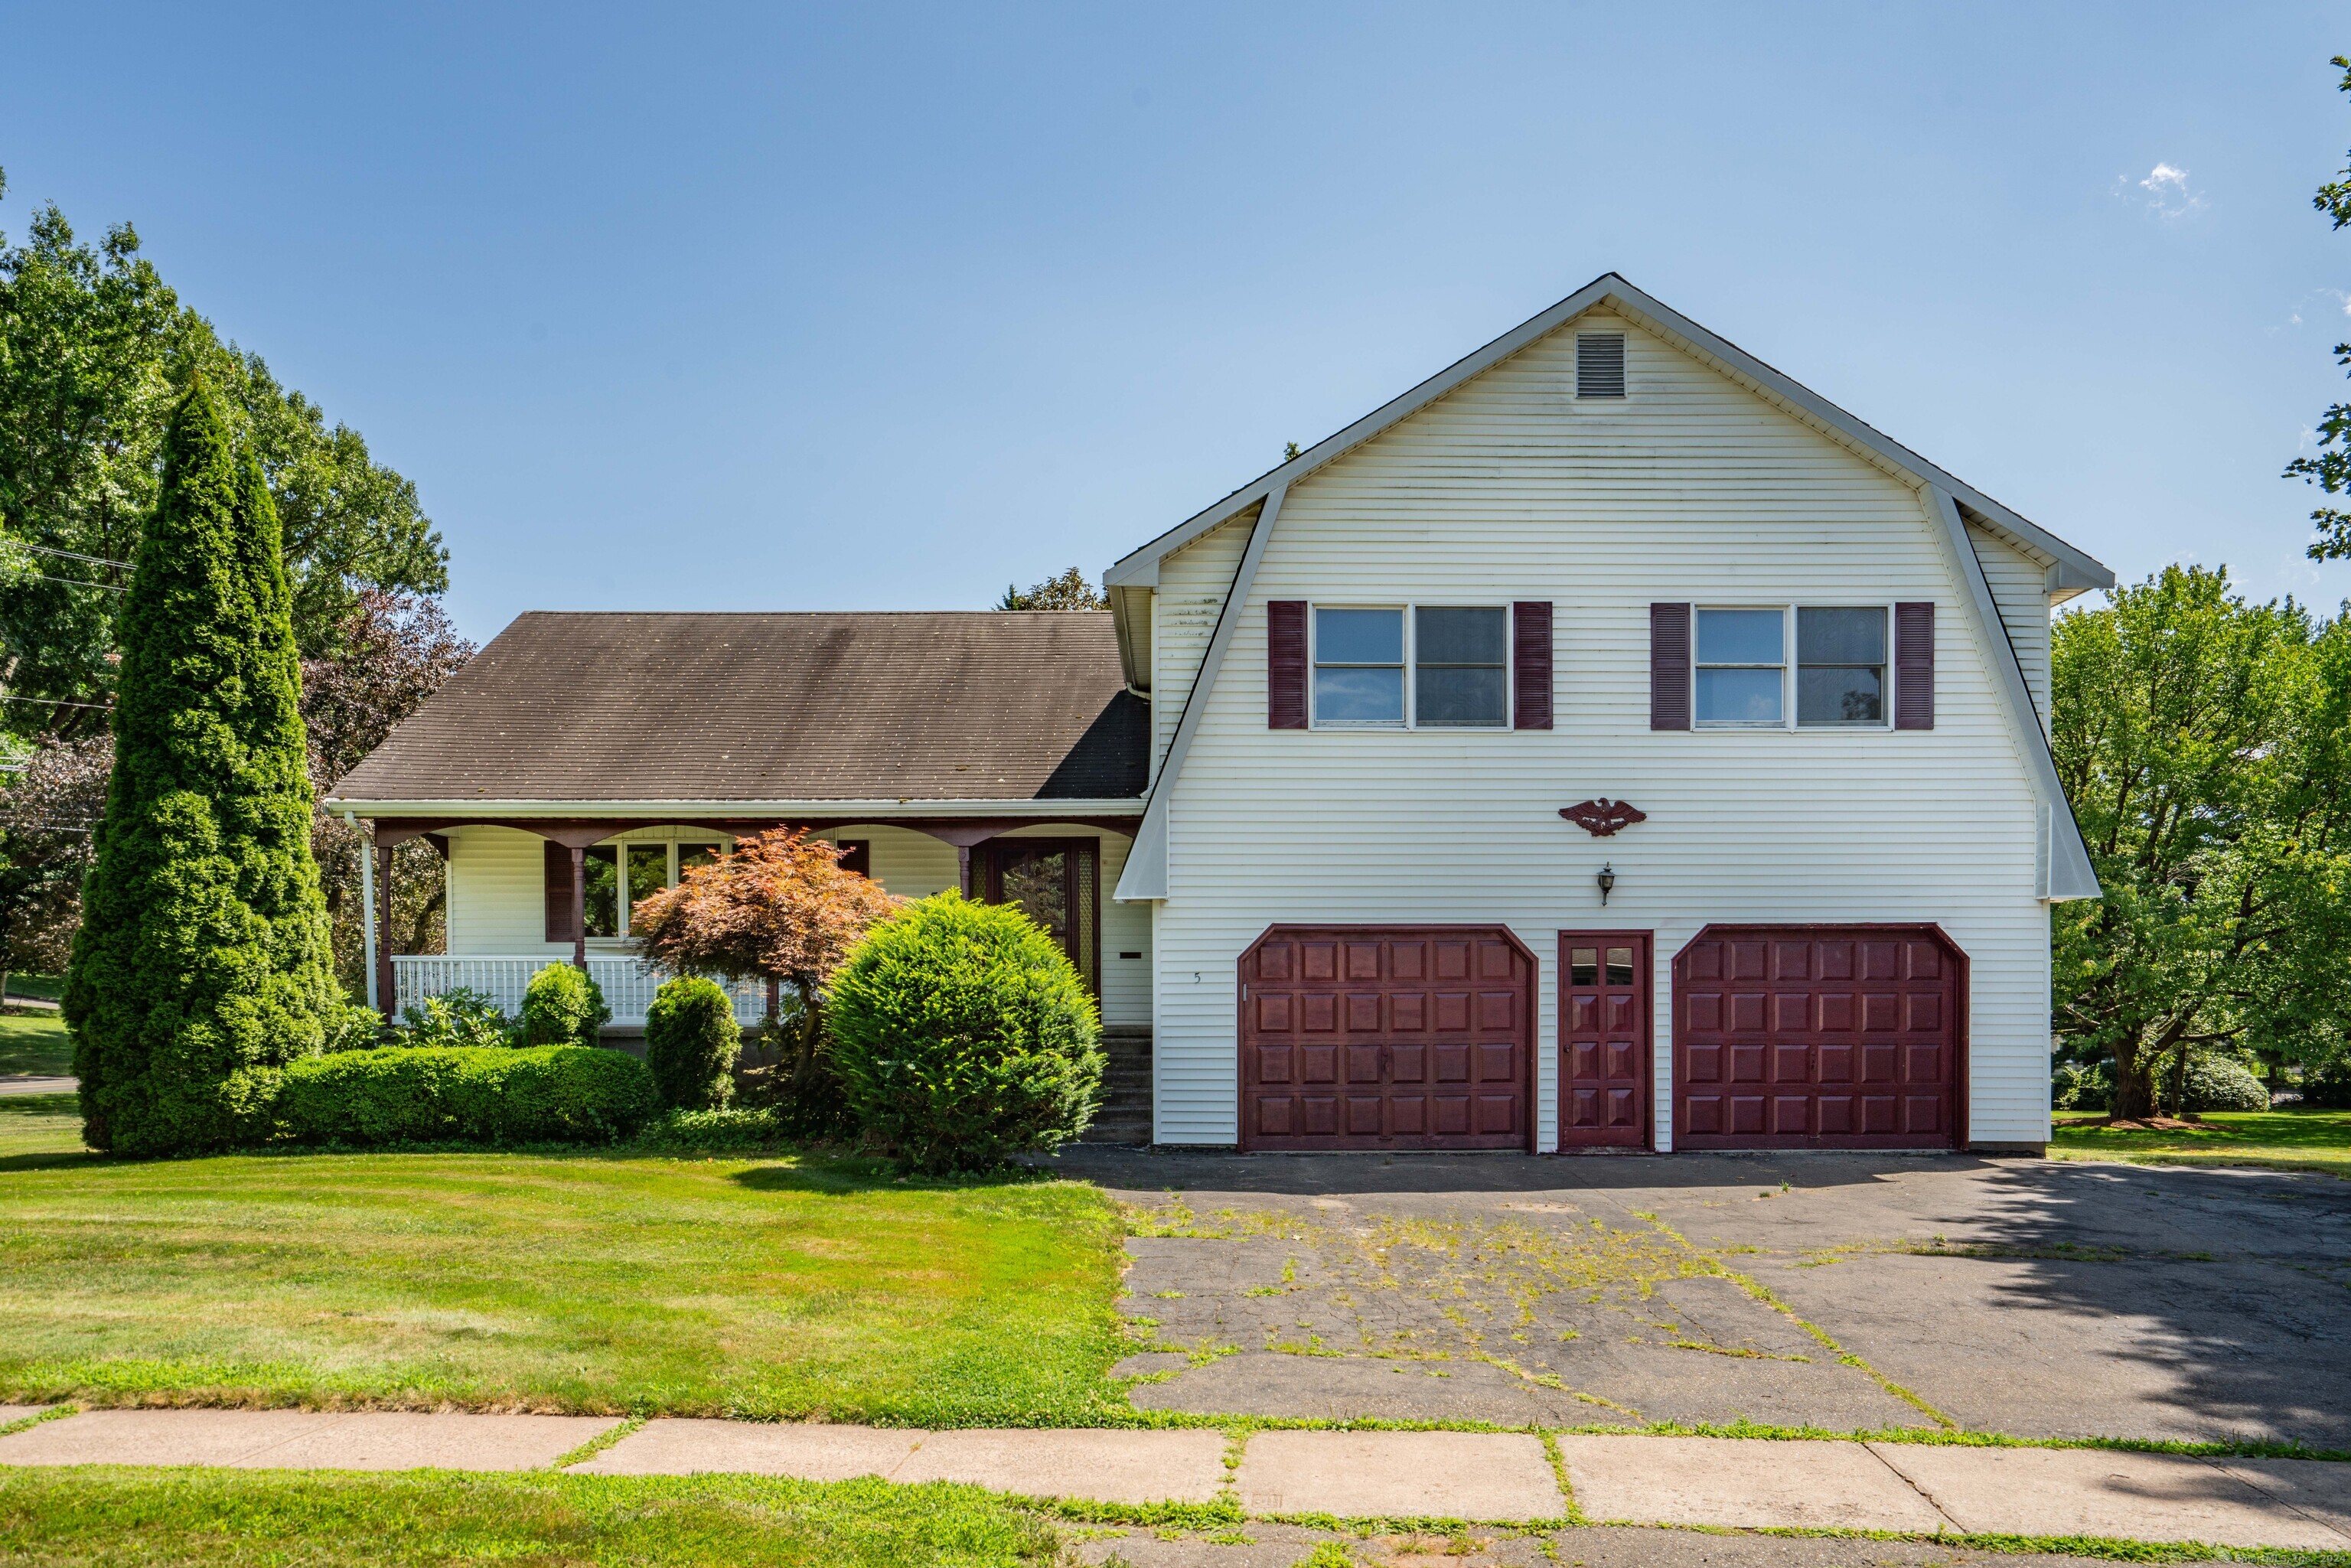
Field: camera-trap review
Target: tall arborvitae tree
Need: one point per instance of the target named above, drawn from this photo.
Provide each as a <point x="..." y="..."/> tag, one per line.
<point x="202" y="963"/>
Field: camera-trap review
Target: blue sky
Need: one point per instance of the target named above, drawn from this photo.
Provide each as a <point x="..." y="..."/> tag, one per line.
<point x="882" y="306"/>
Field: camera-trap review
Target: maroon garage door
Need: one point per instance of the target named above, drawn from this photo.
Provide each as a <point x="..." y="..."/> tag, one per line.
<point x="1818" y="1036"/>
<point x="1383" y="1037"/>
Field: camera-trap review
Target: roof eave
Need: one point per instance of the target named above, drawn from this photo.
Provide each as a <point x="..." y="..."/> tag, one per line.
<point x="880" y="811"/>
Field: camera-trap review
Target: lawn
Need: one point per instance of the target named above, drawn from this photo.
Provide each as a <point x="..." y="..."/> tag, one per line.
<point x="34" y="1042"/>
<point x="2291" y="1138"/>
<point x="222" y="1518"/>
<point x="48" y="987"/>
<point x="779" y="1287"/>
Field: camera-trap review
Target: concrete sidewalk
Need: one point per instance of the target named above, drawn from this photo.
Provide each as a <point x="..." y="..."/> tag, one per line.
<point x="1916" y="1489"/>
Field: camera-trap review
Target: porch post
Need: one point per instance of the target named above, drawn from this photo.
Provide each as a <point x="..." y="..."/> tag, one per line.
<point x="963" y="869"/>
<point x="579" y="906"/>
<point x="367" y="908"/>
<point x="382" y="943"/>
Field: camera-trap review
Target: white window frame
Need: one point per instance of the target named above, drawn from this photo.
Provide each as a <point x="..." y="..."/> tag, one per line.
<point x="625" y="845"/>
<point x="1409" y="608"/>
<point x="1788" y="668"/>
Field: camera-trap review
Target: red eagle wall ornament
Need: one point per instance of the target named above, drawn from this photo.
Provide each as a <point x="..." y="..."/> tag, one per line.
<point x="1603" y="817"/>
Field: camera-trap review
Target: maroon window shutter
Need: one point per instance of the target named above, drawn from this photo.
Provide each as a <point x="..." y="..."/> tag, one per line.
<point x="1913" y="666"/>
<point x="1530" y="666"/>
<point x="1285" y="664"/>
<point x="558" y="891"/>
<point x="1669" y="666"/>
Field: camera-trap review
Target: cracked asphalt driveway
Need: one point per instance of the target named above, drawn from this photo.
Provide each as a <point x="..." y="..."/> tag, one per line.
<point x="1839" y="1291"/>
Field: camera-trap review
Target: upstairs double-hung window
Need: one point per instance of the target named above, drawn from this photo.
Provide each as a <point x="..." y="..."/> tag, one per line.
<point x="1744" y="679"/>
<point x="1425" y="666"/>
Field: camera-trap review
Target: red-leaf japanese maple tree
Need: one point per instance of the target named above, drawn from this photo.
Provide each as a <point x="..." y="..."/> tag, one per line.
<point x="778" y="908"/>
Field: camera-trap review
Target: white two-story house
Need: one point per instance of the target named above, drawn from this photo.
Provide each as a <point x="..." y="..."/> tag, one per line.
<point x="1608" y="743"/>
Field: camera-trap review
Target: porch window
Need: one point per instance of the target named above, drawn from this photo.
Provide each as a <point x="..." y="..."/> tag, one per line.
<point x="600" y="895"/>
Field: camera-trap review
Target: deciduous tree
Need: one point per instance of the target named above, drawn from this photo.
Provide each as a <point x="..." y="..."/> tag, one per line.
<point x="2329" y="468"/>
<point x="2202" y="742"/>
<point x="1071" y="590"/>
<point x="778" y="908"/>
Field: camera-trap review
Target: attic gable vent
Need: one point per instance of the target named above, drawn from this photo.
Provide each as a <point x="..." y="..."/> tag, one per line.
<point x="1599" y="364"/>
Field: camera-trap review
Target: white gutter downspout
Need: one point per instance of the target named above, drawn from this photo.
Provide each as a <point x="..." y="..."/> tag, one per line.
<point x="1145" y="876"/>
<point x="367" y="905"/>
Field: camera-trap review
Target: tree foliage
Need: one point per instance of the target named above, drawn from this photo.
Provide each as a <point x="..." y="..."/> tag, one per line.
<point x="92" y="345"/>
<point x="2330" y="467"/>
<point x="200" y="968"/>
<point x="1071" y="590"/>
<point x="52" y="813"/>
<point x="779" y="907"/>
<point x="2206" y="746"/>
<point x="691" y="1043"/>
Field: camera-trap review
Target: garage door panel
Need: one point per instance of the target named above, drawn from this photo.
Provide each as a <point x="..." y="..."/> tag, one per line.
<point x="1788" y="1053"/>
<point x="1346" y="1038"/>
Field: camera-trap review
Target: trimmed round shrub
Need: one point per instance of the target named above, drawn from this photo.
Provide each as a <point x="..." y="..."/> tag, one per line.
<point x="963" y="1037"/>
<point x="2223" y="1083"/>
<point x="562" y="1004"/>
<point x="476" y="1095"/>
<point x="691" y="1043"/>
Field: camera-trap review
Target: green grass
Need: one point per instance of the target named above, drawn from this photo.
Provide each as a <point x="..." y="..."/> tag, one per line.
<point x="2290" y="1139"/>
<point x="48" y="987"/>
<point x="34" y="1043"/>
<point x="778" y="1287"/>
<point x="227" y="1519"/>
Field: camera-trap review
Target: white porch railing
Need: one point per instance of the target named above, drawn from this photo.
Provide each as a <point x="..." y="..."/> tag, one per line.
<point x="628" y="985"/>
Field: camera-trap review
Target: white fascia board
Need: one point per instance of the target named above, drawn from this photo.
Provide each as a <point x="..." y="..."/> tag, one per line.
<point x="1140" y="568"/>
<point x="1146" y="876"/>
<point x="871" y="810"/>
<point x="2066" y="872"/>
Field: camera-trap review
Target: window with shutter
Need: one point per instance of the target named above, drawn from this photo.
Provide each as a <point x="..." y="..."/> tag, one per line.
<point x="1669" y="666"/>
<point x="1913" y="666"/>
<point x="1531" y="677"/>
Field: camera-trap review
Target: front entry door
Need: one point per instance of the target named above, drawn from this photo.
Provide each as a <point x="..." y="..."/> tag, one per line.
<point x="1605" y="1052"/>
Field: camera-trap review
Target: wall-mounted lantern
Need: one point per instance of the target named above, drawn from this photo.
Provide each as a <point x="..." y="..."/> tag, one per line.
<point x="1607" y="881"/>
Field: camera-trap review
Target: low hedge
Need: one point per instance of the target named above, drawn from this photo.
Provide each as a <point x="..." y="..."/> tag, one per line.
<point x="466" y="1094"/>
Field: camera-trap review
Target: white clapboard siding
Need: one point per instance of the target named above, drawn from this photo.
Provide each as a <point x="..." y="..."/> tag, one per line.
<point x="2019" y="586"/>
<point x="497" y="902"/>
<point x="1192" y="587"/>
<point x="1688" y="489"/>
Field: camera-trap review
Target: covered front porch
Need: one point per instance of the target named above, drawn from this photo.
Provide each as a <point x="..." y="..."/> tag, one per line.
<point x="527" y="888"/>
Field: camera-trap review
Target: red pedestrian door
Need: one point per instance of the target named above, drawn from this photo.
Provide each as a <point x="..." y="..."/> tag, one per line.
<point x="1605" y="1052"/>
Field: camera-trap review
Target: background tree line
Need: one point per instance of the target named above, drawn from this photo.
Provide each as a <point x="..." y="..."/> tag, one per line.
<point x="95" y="349"/>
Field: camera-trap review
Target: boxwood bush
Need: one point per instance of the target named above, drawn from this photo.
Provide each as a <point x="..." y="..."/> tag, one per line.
<point x="691" y="1043"/>
<point x="2223" y="1083"/>
<point x="563" y="1004"/>
<point x="469" y="1094"/>
<point x="963" y="1036"/>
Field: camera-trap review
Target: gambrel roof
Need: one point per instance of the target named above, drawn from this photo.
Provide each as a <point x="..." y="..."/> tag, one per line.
<point x="1950" y="501"/>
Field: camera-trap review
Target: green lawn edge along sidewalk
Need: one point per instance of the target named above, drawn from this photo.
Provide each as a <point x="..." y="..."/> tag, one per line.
<point x="783" y="1287"/>
<point x="35" y="1044"/>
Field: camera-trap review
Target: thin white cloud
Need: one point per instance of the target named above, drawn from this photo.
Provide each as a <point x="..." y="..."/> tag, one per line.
<point x="2169" y="194"/>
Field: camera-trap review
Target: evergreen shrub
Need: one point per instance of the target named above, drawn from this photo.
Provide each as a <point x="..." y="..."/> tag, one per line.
<point x="563" y="1004"/>
<point x="2223" y="1083"/>
<point x="202" y="967"/>
<point x="962" y="1037"/>
<point x="353" y="1026"/>
<point x="691" y="1043"/>
<point x="403" y="1094"/>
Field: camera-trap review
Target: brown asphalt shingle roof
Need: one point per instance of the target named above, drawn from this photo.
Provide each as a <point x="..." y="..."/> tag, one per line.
<point x="986" y="705"/>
